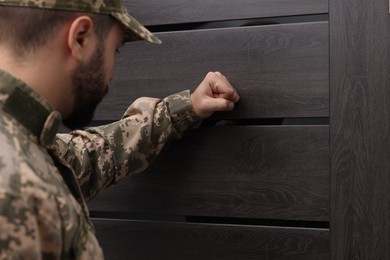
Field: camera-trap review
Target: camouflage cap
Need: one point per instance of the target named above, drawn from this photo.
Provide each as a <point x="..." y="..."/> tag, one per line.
<point x="115" y="8"/>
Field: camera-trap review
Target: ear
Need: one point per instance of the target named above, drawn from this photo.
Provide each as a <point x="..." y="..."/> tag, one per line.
<point x="81" y="38"/>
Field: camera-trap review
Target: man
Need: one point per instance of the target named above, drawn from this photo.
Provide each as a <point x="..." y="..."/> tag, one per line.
<point x="56" y="60"/>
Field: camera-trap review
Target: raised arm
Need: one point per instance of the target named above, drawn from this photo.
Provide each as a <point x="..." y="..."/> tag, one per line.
<point x="104" y="155"/>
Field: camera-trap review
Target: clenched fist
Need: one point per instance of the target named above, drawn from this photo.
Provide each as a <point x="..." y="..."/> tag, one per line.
<point x="215" y="93"/>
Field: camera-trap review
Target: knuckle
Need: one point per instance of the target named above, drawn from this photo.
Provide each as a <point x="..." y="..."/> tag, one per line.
<point x="210" y="74"/>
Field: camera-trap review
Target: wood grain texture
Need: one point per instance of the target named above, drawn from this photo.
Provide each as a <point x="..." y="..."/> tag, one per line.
<point x="279" y="70"/>
<point x="248" y="172"/>
<point x="163" y="240"/>
<point x="152" y="12"/>
<point x="360" y="112"/>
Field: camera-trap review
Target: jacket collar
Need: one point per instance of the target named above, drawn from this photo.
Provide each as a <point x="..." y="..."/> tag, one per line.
<point x="29" y="109"/>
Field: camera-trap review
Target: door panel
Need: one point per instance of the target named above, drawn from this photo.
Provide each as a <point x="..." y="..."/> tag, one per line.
<point x="152" y="12"/>
<point x="155" y="240"/>
<point x="360" y="108"/>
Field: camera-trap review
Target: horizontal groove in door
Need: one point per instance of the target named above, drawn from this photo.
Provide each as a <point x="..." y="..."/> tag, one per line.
<point x="259" y="222"/>
<point x="152" y="12"/>
<point x="209" y="220"/>
<point x="279" y="70"/>
<point x="239" y="23"/>
<point x="274" y="172"/>
<point x="214" y="121"/>
<point x="162" y="240"/>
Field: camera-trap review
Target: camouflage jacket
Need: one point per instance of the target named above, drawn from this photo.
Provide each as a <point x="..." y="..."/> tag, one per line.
<point x="46" y="178"/>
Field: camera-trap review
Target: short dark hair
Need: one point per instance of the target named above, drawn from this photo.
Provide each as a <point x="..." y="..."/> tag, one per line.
<point x="26" y="29"/>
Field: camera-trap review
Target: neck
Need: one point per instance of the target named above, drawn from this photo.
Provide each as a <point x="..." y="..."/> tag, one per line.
<point x="44" y="72"/>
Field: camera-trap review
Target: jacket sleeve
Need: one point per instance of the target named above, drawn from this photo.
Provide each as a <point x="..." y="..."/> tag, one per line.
<point x="102" y="156"/>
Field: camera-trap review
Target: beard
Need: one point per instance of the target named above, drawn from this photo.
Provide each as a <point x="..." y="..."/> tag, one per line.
<point x="89" y="88"/>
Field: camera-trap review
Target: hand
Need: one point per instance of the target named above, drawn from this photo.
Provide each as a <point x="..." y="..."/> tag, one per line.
<point x="215" y="93"/>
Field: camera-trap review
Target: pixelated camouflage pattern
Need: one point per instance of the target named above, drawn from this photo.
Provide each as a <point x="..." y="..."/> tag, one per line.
<point x="128" y="146"/>
<point x="115" y="8"/>
<point x="45" y="179"/>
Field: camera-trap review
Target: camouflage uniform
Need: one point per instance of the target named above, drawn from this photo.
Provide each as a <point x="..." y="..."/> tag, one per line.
<point x="46" y="178"/>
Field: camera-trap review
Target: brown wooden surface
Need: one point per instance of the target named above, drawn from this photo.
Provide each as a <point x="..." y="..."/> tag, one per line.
<point x="163" y="240"/>
<point x="241" y="173"/>
<point x="151" y="12"/>
<point x="279" y="172"/>
<point x="279" y="70"/>
<point x="360" y="134"/>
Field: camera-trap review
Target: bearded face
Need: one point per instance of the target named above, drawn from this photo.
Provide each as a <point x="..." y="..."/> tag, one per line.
<point x="89" y="88"/>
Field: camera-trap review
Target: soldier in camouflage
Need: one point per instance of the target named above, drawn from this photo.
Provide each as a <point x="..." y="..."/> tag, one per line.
<point x="46" y="178"/>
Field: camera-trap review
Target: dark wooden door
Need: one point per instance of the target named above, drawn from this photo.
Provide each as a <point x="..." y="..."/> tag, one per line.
<point x="360" y="129"/>
<point x="279" y="171"/>
<point x="249" y="184"/>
